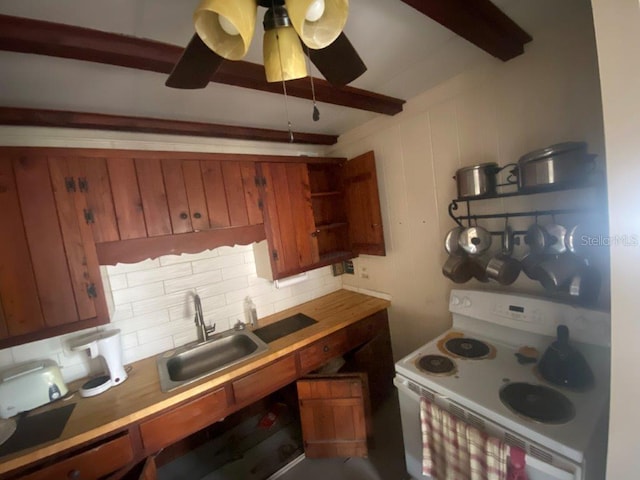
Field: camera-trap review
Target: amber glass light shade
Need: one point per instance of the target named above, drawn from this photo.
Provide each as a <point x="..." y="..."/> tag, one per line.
<point x="239" y="15"/>
<point x="322" y="32"/>
<point x="283" y="41"/>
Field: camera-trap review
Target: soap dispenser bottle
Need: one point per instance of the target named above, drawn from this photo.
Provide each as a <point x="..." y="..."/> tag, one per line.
<point x="250" y="312"/>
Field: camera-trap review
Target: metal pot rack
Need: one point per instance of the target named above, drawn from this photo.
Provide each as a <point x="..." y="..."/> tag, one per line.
<point x="471" y="219"/>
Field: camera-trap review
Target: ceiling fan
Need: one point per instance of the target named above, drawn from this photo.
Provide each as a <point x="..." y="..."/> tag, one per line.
<point x="224" y="29"/>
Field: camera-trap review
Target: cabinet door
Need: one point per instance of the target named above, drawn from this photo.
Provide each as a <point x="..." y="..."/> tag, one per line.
<point x="362" y="203"/>
<point x="20" y="311"/>
<point x="289" y="223"/>
<point x="44" y="238"/>
<point x="334" y="414"/>
<point x="77" y="237"/>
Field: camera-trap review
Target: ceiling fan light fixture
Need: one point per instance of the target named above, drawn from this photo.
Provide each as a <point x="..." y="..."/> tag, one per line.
<point x="216" y="20"/>
<point x="283" y="55"/>
<point x="326" y="27"/>
<point x="315" y="11"/>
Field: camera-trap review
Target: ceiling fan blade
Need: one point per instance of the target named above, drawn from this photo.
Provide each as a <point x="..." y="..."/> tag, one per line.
<point x="339" y="62"/>
<point x="196" y="66"/>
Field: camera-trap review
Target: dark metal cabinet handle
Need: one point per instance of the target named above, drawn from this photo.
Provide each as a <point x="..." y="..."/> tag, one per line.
<point x="184" y="216"/>
<point x="197" y="215"/>
<point x="74" y="474"/>
<point x="326" y="349"/>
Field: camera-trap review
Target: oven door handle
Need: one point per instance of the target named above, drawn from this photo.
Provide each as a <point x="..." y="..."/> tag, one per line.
<point x="414" y="389"/>
<point x="539" y="469"/>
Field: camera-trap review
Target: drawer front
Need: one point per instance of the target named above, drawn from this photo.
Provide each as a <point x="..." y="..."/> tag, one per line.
<point x="91" y="464"/>
<point x="321" y="351"/>
<point x="363" y="331"/>
<point x="183" y="421"/>
<point x="265" y="380"/>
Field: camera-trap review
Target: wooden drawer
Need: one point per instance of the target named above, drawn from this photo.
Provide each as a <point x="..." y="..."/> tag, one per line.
<point x="182" y="421"/>
<point x="265" y="380"/>
<point x="90" y="464"/>
<point x="323" y="350"/>
<point x="363" y="331"/>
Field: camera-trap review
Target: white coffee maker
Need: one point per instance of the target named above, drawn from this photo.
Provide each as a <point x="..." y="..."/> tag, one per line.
<point x="107" y="346"/>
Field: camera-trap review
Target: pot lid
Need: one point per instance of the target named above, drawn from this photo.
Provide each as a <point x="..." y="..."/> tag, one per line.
<point x="480" y="166"/>
<point x="552" y="150"/>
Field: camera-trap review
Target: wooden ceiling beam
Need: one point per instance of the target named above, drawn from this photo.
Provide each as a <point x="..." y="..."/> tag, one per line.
<point x="478" y="21"/>
<point x="27" y="35"/>
<point x="85" y="120"/>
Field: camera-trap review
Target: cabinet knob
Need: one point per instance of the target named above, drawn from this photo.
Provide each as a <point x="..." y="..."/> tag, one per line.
<point x="184" y="216"/>
<point x="197" y="215"/>
<point x="326" y="348"/>
<point x="74" y="474"/>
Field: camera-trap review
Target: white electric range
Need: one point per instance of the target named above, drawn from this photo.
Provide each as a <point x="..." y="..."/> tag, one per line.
<point x="468" y="369"/>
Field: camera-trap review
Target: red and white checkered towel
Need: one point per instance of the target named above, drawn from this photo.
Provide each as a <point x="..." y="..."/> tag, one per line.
<point x="455" y="450"/>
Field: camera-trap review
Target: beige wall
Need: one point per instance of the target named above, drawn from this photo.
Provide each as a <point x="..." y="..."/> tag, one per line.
<point x="617" y="25"/>
<point x="495" y="113"/>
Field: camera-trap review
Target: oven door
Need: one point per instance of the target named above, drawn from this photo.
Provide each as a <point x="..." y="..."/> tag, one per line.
<point x="409" y="399"/>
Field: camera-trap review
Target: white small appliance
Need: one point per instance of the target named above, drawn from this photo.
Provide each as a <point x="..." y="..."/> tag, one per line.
<point x="105" y="345"/>
<point x="30" y="385"/>
<point x="483" y="371"/>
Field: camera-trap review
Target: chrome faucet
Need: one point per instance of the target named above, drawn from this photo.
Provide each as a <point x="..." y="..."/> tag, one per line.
<point x="203" y="331"/>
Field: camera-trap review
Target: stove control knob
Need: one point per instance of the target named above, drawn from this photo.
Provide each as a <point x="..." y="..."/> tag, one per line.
<point x="455" y="300"/>
<point x="466" y="302"/>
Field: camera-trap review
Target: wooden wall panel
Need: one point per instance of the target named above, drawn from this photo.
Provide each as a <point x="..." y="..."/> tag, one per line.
<point x="176" y="196"/>
<point x="126" y="198"/>
<point x="153" y="196"/>
<point x="216" y="197"/>
<point x="41" y="222"/>
<point x="20" y="311"/>
<point x="195" y="194"/>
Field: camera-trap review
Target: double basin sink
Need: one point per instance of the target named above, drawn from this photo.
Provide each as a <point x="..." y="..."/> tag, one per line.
<point x="193" y="362"/>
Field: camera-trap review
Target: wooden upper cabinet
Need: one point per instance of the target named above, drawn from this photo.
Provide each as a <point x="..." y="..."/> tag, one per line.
<point x="156" y="197"/>
<point x="20" y="311"/>
<point x="362" y="204"/>
<point x="288" y="218"/>
<point x="50" y="280"/>
<point x="317" y="214"/>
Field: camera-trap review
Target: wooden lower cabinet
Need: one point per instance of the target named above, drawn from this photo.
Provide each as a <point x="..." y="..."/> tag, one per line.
<point x="335" y="407"/>
<point x="90" y="464"/>
<point x="184" y="420"/>
<point x="320" y="352"/>
<point x="265" y="380"/>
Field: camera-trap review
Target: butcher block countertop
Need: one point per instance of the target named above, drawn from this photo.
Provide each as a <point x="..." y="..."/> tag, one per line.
<point x="140" y="395"/>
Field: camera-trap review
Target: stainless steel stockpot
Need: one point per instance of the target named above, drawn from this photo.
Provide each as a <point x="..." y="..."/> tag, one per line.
<point x="477" y="180"/>
<point x="561" y="165"/>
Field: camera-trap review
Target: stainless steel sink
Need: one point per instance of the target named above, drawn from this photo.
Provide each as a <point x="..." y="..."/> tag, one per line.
<point x="195" y="361"/>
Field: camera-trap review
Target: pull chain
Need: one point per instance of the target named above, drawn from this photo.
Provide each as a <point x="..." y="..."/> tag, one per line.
<point x="316" y="112"/>
<point x="284" y="85"/>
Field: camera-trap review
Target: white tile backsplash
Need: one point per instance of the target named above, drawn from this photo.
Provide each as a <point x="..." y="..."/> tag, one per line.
<point x="154" y="305"/>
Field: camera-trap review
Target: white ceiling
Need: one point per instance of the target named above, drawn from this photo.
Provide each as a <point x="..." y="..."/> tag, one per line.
<point x="406" y="53"/>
